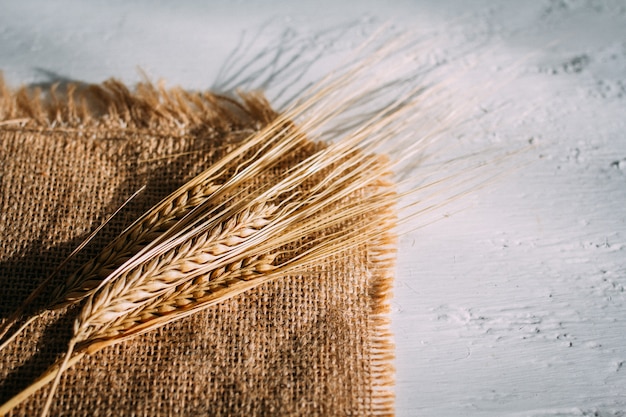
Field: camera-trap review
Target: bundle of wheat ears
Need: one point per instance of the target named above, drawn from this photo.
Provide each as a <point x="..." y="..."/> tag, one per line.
<point x="254" y="215"/>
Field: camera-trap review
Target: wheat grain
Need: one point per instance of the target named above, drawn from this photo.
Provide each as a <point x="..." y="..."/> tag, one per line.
<point x="144" y="231"/>
<point x="130" y="242"/>
<point x="138" y="286"/>
<point x="189" y="294"/>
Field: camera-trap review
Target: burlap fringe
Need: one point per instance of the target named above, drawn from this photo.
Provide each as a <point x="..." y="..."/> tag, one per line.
<point x="382" y="263"/>
<point x="111" y="105"/>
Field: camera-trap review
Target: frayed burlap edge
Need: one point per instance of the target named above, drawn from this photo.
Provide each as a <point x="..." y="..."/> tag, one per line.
<point x="112" y="105"/>
<point x="151" y="108"/>
<point x="383" y="263"/>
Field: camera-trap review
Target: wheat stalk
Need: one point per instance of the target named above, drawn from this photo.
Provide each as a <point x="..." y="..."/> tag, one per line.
<point x="89" y="276"/>
<point x="142" y="284"/>
<point x="196" y="292"/>
<point x="130" y="301"/>
<point x="266" y="148"/>
<point x="189" y="294"/>
<point x="205" y="291"/>
<point x="172" y="279"/>
<point x="117" y="309"/>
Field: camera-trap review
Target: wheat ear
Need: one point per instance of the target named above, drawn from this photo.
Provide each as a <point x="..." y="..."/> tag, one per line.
<point x="141" y="298"/>
<point x="189" y="274"/>
<point x="276" y="139"/>
<point x="268" y="146"/>
<point x="15" y="316"/>
<point x="205" y="291"/>
<point x="320" y="109"/>
<point x="132" y="240"/>
<point x="240" y="276"/>
<point x="190" y="294"/>
<point x="138" y="286"/>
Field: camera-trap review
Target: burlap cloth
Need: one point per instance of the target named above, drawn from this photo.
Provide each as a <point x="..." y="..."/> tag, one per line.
<point x="312" y="345"/>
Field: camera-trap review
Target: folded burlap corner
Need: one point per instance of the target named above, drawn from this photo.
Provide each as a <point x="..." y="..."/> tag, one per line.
<point x="315" y="344"/>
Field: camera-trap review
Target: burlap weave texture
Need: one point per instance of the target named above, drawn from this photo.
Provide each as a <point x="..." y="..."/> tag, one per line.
<point x="315" y="344"/>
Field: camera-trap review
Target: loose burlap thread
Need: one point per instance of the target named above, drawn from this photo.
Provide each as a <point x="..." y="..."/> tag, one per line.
<point x="310" y="344"/>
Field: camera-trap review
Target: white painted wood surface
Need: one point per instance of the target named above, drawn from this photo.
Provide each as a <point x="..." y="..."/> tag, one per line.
<point x="513" y="307"/>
